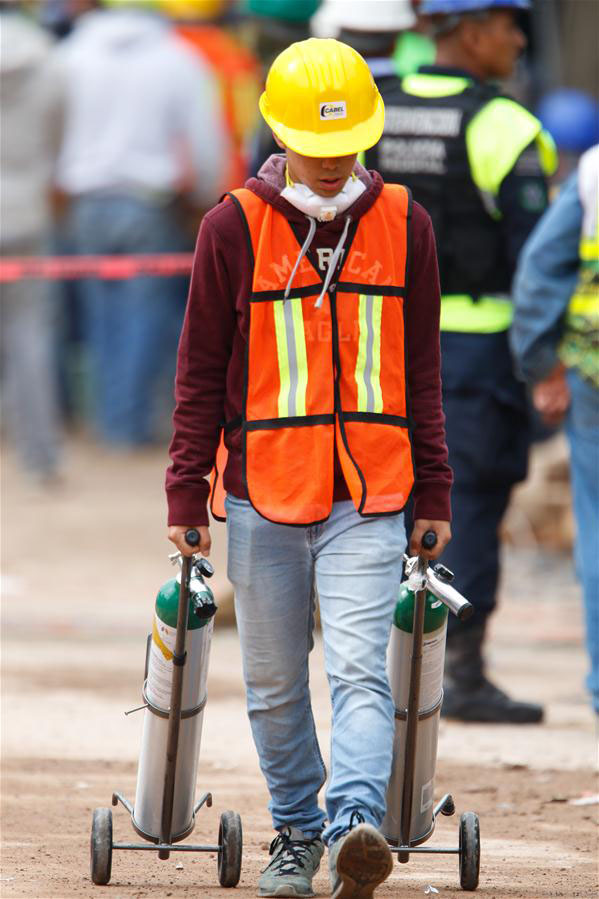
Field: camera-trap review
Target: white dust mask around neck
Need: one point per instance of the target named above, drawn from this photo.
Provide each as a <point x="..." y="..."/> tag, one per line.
<point x="323" y="208"/>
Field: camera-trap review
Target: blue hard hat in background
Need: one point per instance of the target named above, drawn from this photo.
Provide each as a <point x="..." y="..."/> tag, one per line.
<point x="449" y="7"/>
<point x="571" y="117"/>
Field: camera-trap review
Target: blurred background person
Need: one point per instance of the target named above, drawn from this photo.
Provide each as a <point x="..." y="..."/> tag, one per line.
<point x="477" y="161"/>
<point x="31" y="106"/>
<point x="144" y="141"/>
<point x="571" y="116"/>
<point x="386" y="32"/>
<point x="371" y="28"/>
<point x="272" y="26"/>
<point x="203" y="25"/>
<point x="555" y="339"/>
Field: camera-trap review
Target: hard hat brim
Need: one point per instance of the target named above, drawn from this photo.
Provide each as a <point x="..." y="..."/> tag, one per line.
<point x="336" y="143"/>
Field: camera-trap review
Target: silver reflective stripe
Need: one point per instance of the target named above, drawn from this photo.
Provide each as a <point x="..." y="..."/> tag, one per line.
<point x="368" y="366"/>
<point x="291" y="356"/>
<point x="368" y="362"/>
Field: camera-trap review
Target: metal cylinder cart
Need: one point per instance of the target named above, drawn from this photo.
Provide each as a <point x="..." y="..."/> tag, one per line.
<point x="174" y="695"/>
<point x="415" y="663"/>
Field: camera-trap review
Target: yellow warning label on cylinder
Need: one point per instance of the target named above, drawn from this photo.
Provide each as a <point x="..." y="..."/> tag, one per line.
<point x="157" y="639"/>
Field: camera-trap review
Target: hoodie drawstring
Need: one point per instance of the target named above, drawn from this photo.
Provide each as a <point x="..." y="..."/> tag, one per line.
<point x="333" y="262"/>
<point x="302" y="253"/>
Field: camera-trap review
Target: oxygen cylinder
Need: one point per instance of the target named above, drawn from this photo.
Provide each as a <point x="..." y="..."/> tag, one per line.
<point x="146" y="818"/>
<point x="429" y="710"/>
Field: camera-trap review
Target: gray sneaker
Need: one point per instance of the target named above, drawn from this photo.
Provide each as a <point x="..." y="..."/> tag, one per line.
<point x="359" y="862"/>
<point x="295" y="861"/>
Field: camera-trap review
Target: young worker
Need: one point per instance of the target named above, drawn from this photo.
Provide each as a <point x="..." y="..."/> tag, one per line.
<point x="312" y="332"/>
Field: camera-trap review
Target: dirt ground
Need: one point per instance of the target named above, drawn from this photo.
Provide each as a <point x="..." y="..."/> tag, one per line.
<point x="80" y="568"/>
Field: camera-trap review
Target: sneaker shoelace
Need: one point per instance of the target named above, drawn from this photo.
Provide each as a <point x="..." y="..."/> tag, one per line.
<point x="289" y="855"/>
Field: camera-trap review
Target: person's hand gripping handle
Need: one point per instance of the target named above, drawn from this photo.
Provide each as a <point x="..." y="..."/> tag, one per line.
<point x="179" y="534"/>
<point x="192" y="537"/>
<point x="429" y="538"/>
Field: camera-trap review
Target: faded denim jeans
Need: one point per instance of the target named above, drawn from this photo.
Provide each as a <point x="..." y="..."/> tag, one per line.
<point x="582" y="428"/>
<point x="132" y="324"/>
<point x="354" y="564"/>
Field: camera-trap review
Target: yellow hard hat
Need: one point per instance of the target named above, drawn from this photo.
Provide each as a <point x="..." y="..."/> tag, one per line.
<point x="193" y="10"/>
<point x="321" y="100"/>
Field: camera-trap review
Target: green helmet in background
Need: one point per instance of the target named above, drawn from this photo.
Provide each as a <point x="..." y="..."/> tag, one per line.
<point x="285" y="10"/>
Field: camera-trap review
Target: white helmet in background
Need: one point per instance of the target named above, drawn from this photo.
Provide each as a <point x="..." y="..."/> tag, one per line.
<point x="362" y="15"/>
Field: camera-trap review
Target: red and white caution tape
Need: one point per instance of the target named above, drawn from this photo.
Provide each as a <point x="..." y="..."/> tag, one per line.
<point x="17" y="268"/>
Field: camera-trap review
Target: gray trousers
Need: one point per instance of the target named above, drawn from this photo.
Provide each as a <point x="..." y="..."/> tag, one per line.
<point x="28" y="321"/>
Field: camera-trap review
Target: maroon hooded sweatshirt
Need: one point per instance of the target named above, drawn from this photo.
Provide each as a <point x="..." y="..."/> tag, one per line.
<point x="211" y="360"/>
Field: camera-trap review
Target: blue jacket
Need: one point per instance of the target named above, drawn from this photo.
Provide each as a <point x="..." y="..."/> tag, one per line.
<point x="544" y="283"/>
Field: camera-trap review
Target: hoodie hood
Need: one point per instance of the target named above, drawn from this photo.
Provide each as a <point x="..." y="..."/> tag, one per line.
<point x="23" y="46"/>
<point x="118" y="30"/>
<point x="270" y="181"/>
<point x="268" y="186"/>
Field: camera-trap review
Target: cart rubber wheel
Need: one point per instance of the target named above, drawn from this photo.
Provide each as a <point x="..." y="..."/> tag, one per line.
<point x="230" y="841"/>
<point x="101" y="846"/>
<point x="469" y="850"/>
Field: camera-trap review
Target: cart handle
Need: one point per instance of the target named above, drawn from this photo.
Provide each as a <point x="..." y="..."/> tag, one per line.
<point x="429" y="540"/>
<point x="192" y="537"/>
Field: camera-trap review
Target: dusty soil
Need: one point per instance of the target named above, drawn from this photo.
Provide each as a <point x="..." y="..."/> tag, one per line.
<point x="80" y="569"/>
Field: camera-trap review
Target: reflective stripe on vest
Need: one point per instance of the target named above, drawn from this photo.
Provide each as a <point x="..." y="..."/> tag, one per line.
<point x="326" y="378"/>
<point x="487" y="315"/>
<point x="368" y="363"/>
<point x="579" y="347"/>
<point x="291" y="352"/>
<point x="495" y="137"/>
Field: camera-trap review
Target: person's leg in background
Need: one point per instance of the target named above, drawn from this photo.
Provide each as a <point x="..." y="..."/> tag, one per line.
<point x="130" y="323"/>
<point x="582" y="429"/>
<point x="487" y="451"/>
<point x="28" y="323"/>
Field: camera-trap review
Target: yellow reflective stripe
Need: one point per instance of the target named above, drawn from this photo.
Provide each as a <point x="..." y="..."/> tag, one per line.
<point x="434" y="85"/>
<point x="300" y="356"/>
<point x="280" y="330"/>
<point x="292" y="357"/>
<point x="495" y="138"/>
<point x="582" y="304"/>
<point x="368" y="362"/>
<point x="375" y="376"/>
<point x="548" y="155"/>
<point x="488" y="315"/>
<point x="589" y="249"/>
<point x="361" y="360"/>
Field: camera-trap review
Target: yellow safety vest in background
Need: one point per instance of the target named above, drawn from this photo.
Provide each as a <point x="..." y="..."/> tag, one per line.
<point x="579" y="347"/>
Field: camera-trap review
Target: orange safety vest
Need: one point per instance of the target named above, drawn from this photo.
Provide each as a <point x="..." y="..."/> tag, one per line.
<point x="320" y="377"/>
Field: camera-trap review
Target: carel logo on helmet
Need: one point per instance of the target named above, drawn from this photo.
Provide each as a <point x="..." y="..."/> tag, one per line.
<point x="336" y="109"/>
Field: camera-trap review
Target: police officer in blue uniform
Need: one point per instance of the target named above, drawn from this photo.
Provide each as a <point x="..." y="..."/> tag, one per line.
<point x="477" y="161"/>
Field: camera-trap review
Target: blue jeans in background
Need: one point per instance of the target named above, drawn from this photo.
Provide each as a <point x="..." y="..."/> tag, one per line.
<point x="582" y="428"/>
<point x="131" y="326"/>
<point x="354" y="564"/>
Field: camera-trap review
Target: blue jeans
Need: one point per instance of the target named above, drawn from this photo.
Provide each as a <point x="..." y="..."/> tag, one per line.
<point x="354" y="564"/>
<point x="132" y="325"/>
<point x="582" y="428"/>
